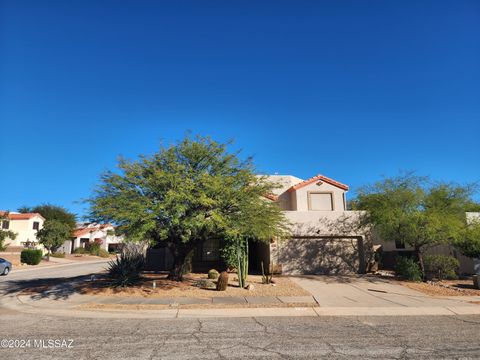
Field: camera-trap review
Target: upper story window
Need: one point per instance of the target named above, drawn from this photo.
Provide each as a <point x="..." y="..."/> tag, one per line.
<point x="322" y="201"/>
<point x="36" y="225"/>
<point x="5" y="224"/>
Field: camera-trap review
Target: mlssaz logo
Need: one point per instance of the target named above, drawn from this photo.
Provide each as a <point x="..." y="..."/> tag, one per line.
<point x="53" y="343"/>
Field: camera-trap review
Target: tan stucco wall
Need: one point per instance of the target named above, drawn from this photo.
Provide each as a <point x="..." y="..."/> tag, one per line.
<point x="24" y="231"/>
<point x="302" y="196"/>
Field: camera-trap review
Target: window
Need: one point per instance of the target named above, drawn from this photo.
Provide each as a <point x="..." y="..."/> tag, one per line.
<point x="399" y="244"/>
<point x="5" y="224"/>
<point x="36" y="225"/>
<point x="320" y="201"/>
<point x="210" y="250"/>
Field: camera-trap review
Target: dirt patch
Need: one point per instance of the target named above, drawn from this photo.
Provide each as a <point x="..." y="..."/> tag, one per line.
<point x="127" y="307"/>
<point x="167" y="288"/>
<point x="444" y="288"/>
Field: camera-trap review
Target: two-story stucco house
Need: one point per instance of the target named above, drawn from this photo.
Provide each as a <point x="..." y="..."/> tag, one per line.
<point x="25" y="226"/>
<point x="326" y="238"/>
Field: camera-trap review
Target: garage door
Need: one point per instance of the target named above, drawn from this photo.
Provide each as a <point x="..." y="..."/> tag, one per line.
<point x="321" y="256"/>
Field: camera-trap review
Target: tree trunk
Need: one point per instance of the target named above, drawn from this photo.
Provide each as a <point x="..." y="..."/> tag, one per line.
<point x="418" y="253"/>
<point x="180" y="257"/>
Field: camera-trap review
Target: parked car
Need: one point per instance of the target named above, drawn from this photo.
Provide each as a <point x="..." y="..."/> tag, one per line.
<point x="5" y="266"/>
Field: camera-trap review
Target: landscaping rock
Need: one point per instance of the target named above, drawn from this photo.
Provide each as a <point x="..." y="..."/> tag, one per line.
<point x="250" y="287"/>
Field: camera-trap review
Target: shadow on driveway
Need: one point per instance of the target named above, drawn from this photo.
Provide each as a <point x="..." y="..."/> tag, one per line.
<point x="58" y="288"/>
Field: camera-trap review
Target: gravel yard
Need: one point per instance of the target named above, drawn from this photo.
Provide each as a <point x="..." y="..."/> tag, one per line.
<point x="444" y="288"/>
<point x="166" y="288"/>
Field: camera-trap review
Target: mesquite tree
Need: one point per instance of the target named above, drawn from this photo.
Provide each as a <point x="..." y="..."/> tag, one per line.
<point x="411" y="210"/>
<point x="184" y="194"/>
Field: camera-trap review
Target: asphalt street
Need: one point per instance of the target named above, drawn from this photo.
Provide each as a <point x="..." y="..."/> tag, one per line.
<point x="58" y="337"/>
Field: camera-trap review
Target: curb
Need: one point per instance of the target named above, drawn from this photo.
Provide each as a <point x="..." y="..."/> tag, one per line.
<point x="14" y="303"/>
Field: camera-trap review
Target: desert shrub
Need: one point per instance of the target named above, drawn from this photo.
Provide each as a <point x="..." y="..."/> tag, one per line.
<point x="31" y="256"/>
<point x="94" y="247"/>
<point x="408" y="268"/>
<point x="441" y="266"/>
<point x="80" y="250"/>
<point x="103" y="253"/>
<point x="212" y="274"/>
<point x="57" y="255"/>
<point x="205" y="284"/>
<point x="126" y="269"/>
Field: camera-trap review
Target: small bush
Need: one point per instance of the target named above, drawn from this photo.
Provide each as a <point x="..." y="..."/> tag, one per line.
<point x="103" y="253"/>
<point x="213" y="274"/>
<point x="205" y="284"/>
<point x="441" y="266"/>
<point x="408" y="268"/>
<point x="80" y="250"/>
<point x="31" y="256"/>
<point x="94" y="247"/>
<point x="57" y="255"/>
<point x="126" y="269"/>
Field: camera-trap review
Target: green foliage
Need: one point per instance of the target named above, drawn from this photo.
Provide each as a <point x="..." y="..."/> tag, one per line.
<point x="408" y="268"/>
<point x="409" y="209"/>
<point x="213" y="274"/>
<point x="126" y="269"/>
<point x="103" y="253"/>
<point x="31" y="256"/>
<point x="469" y="243"/>
<point x="53" y="234"/>
<point x="185" y="194"/>
<point x="57" y="255"/>
<point x="80" y="251"/>
<point x="205" y="284"/>
<point x="5" y="234"/>
<point x="93" y="248"/>
<point x="53" y="212"/>
<point x="441" y="266"/>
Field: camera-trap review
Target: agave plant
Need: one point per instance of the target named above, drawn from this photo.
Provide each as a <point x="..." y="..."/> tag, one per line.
<point x="126" y="269"/>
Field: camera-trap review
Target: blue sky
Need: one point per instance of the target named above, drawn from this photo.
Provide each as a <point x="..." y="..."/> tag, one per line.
<point x="351" y="89"/>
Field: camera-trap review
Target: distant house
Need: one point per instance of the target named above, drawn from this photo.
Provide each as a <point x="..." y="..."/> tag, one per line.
<point x="87" y="233"/>
<point x="24" y="225"/>
<point x="391" y="250"/>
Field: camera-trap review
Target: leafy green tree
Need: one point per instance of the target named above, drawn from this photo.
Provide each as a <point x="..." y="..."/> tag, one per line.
<point x="185" y="194"/>
<point x="53" y="212"/>
<point x="5" y="234"/>
<point x="53" y="235"/>
<point x="469" y="243"/>
<point x="409" y="209"/>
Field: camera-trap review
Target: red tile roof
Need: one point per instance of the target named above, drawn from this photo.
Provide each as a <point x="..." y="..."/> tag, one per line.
<point x="318" y="177"/>
<point x="271" y="197"/>
<point x="87" y="230"/>
<point x="17" y="216"/>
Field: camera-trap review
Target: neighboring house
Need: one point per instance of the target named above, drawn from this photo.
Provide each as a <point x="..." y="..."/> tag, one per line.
<point x="90" y="232"/>
<point x="326" y="238"/>
<point x="391" y="249"/>
<point x="24" y="225"/>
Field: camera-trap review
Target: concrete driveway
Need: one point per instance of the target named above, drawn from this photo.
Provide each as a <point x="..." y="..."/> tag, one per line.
<point x="368" y="291"/>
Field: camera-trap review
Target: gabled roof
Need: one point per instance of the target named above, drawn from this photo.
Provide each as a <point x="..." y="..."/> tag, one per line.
<point x="318" y="177"/>
<point x="20" y="216"/>
<point x="80" y="231"/>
